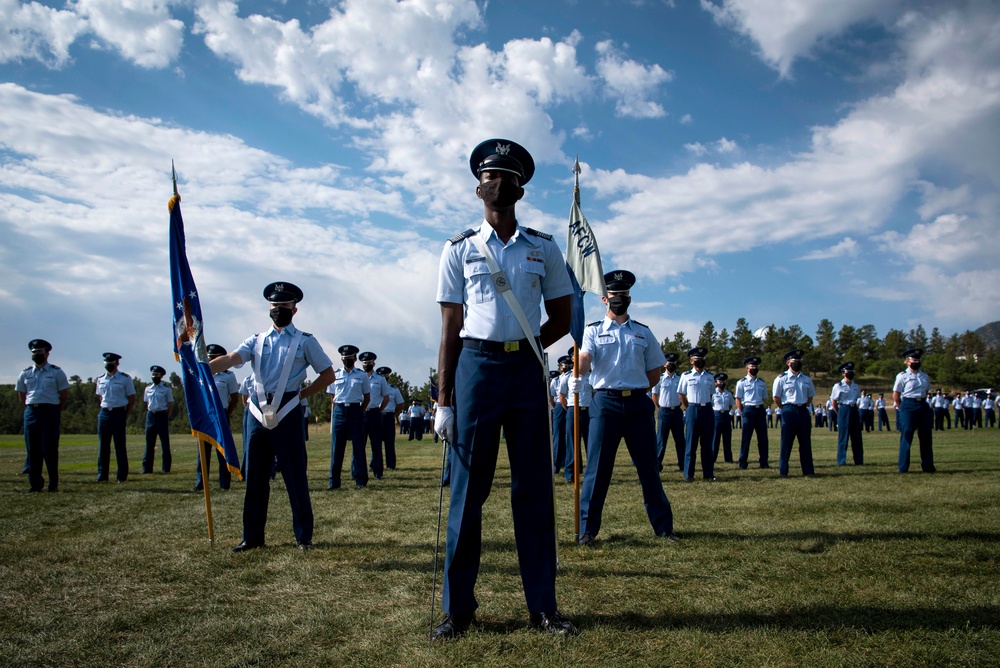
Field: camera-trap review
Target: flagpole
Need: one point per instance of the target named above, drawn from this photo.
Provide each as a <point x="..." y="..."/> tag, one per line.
<point x="204" y="453"/>
<point x="576" y="395"/>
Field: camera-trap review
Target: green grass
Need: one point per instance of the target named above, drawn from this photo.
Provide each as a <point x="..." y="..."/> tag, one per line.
<point x="858" y="567"/>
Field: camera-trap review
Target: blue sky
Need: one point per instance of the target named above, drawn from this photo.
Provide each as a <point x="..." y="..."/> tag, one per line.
<point x="779" y="160"/>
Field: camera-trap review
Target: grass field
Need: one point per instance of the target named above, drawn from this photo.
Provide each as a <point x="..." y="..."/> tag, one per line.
<point x="859" y="566"/>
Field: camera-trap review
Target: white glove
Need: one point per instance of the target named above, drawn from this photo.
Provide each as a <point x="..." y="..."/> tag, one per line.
<point x="444" y="423"/>
<point x="575" y="384"/>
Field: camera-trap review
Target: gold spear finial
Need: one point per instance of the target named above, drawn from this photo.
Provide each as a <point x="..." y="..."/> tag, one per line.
<point x="176" y="198"/>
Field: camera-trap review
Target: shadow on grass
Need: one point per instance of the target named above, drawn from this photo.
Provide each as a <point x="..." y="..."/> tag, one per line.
<point x="870" y="619"/>
<point x="849" y="537"/>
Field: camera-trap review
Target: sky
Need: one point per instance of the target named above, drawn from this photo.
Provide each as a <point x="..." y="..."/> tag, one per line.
<point x="783" y="161"/>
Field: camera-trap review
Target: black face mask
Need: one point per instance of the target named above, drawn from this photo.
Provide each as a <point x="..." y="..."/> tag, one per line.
<point x="619" y="304"/>
<point x="281" y="317"/>
<point x="915" y="366"/>
<point x="110" y="366"/>
<point x="753" y="371"/>
<point x="849" y="375"/>
<point x="348" y="362"/>
<point x="38" y="358"/>
<point x="500" y="193"/>
<point x="156" y="380"/>
<point x="671" y="367"/>
<point x="367" y="367"/>
<point x="699" y="364"/>
<point x="796" y="365"/>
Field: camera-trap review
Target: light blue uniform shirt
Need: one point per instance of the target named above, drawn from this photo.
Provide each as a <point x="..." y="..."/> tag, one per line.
<point x="913" y="385"/>
<point x="157" y="397"/>
<point x="227" y="385"/>
<point x="586" y="390"/>
<point x="115" y="390"/>
<point x="42" y="386"/>
<point x="246" y="387"/>
<point x="751" y="391"/>
<point x="866" y="403"/>
<point x="534" y="266"/>
<point x="395" y="399"/>
<point x="722" y="401"/>
<point x="697" y="386"/>
<point x="379" y="390"/>
<point x="416" y="411"/>
<point x="621" y="354"/>
<point x="845" y="394"/>
<point x="349" y="387"/>
<point x="666" y="391"/>
<point x="309" y="353"/>
<point x="792" y="388"/>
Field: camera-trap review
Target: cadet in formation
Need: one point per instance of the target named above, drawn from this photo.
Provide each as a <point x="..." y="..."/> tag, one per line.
<point x="117" y="396"/>
<point x="569" y="400"/>
<point x="491" y="378"/>
<point x="695" y="391"/>
<point x="351" y="391"/>
<point x="909" y="395"/>
<point x="43" y="390"/>
<point x="793" y="392"/>
<point x="229" y="392"/>
<point x="722" y="405"/>
<point x="159" y="399"/>
<point x="559" y="414"/>
<point x="623" y="359"/>
<point x="390" y="410"/>
<point x="670" y="416"/>
<point x="846" y="396"/>
<point x="377" y="400"/>
<point x="751" y="393"/>
<point x="280" y="356"/>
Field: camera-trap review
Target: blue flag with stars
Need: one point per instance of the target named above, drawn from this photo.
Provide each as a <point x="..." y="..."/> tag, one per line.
<point x="209" y="421"/>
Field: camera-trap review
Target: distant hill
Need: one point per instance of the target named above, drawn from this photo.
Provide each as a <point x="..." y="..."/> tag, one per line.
<point x="990" y="334"/>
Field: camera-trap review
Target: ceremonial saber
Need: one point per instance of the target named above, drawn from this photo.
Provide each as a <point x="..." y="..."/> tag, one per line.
<point x="437" y="535"/>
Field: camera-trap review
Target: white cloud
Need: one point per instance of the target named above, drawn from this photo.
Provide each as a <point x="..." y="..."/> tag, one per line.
<point x="721" y="146"/>
<point x="785" y="30"/>
<point x="686" y="119"/>
<point x="846" y="248"/>
<point x="680" y="287"/>
<point x="36" y="32"/>
<point x="141" y="30"/>
<point x="631" y="83"/>
<point x="87" y="192"/>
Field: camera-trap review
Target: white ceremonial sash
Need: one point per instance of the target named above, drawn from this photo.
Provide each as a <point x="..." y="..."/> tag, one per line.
<point x="266" y="413"/>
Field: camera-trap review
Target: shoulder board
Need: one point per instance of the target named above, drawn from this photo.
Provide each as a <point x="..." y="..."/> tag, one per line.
<point x="126" y="375"/>
<point x="26" y="369"/>
<point x="639" y="323"/>
<point x="103" y="375"/>
<point x="306" y="334"/>
<point x="547" y="237"/>
<point x="462" y="235"/>
<point x="55" y="367"/>
<point x="594" y="324"/>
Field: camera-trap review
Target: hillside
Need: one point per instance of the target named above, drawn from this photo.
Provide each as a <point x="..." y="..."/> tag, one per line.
<point x="990" y="334"/>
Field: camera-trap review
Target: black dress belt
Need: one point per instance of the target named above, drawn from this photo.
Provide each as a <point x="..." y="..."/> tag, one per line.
<point x="521" y="346"/>
<point x="622" y="393"/>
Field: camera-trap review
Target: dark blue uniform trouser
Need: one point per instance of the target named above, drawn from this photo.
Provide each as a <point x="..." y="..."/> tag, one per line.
<point x="613" y="418"/>
<point x="558" y="437"/>
<point x="348" y="424"/>
<point x="916" y="416"/>
<point x="849" y="427"/>
<point x="389" y="439"/>
<point x="795" y="423"/>
<point x="584" y="440"/>
<point x="286" y="443"/>
<point x="41" y="433"/>
<point x="156" y="425"/>
<point x="494" y="391"/>
<point x="753" y="421"/>
<point x="834" y="421"/>
<point x="699" y="425"/>
<point x="883" y="419"/>
<point x="724" y="433"/>
<point x="417" y="429"/>
<point x="671" y="423"/>
<point x="111" y="425"/>
<point x="225" y="476"/>
<point x="373" y="434"/>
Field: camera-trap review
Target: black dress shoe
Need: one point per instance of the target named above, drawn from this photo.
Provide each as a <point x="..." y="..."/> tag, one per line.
<point x="333" y="486"/>
<point x="197" y="488"/>
<point x="453" y="626"/>
<point x="586" y="540"/>
<point x="552" y="622"/>
<point x="305" y="546"/>
<point x="244" y="546"/>
<point x="670" y="536"/>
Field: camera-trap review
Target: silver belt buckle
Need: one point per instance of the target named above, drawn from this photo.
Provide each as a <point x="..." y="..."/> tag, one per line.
<point x="511" y="346"/>
<point x="626" y="393"/>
